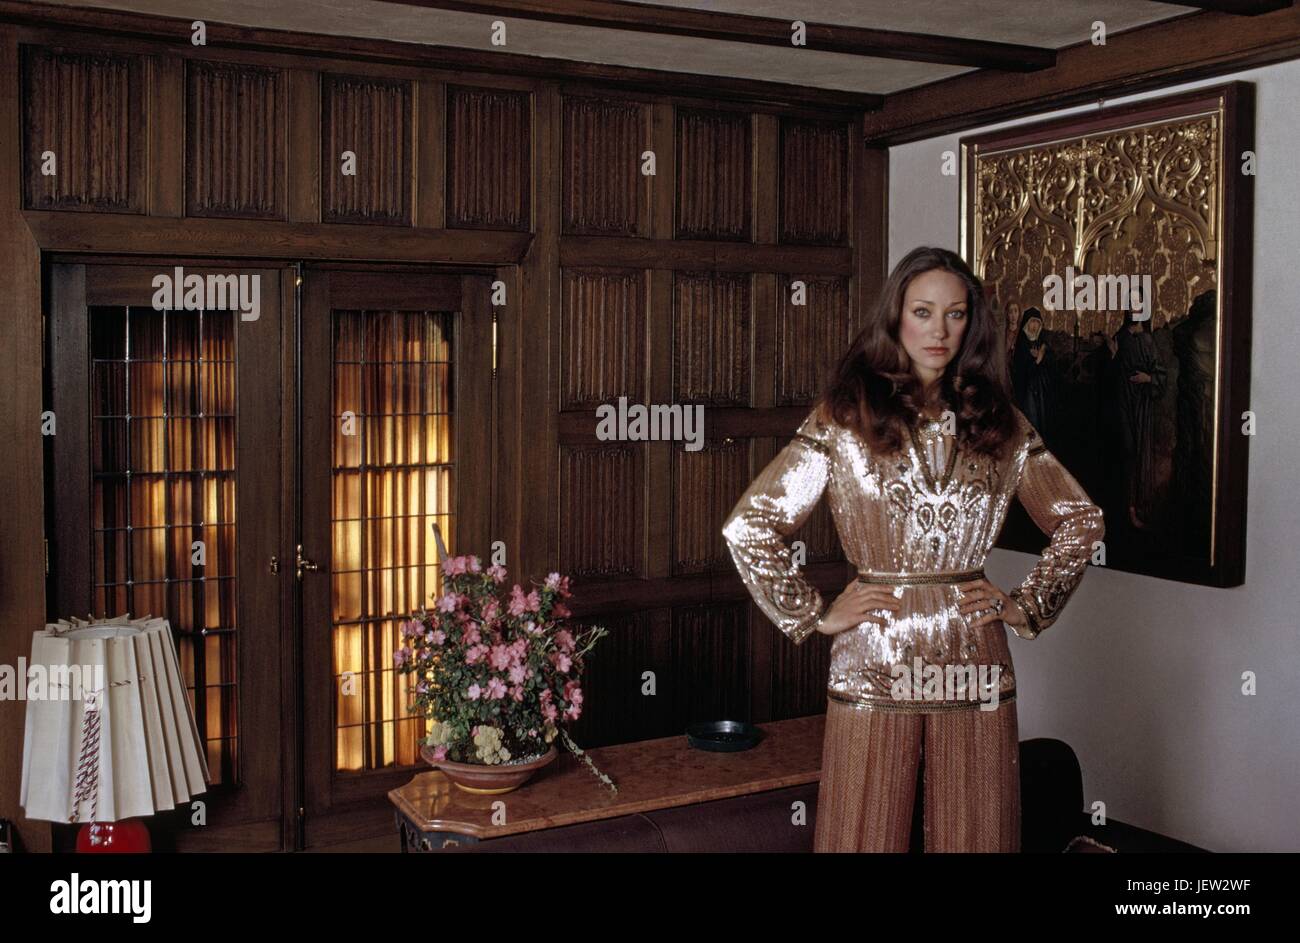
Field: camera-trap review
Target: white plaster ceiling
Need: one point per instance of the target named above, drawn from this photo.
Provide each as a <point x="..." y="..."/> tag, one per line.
<point x="1048" y="23"/>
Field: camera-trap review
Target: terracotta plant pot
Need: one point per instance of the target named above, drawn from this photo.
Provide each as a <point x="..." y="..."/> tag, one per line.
<point x="485" y="780"/>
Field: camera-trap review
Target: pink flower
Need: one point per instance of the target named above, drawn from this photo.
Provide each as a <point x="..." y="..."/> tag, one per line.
<point x="553" y="580"/>
<point x="549" y="711"/>
<point x="517" y="674"/>
<point x="498" y="573"/>
<point x="410" y="628"/>
<point x="474" y="692"/>
<point x="518" y="602"/>
<point x="573" y="712"/>
<point x="475" y="653"/>
<point x="491" y="609"/>
<point x="545" y="696"/>
<point x="561" y="662"/>
<point x="533" y="732"/>
<point x="500" y="657"/>
<point x="560" y="611"/>
<point x="422" y="688"/>
<point x="447" y="602"/>
<point x="534" y="601"/>
<point x="564" y="639"/>
<point x="517" y="692"/>
<point x="401" y="657"/>
<point x="496" y="688"/>
<point x="470" y="636"/>
<point x="454" y="566"/>
<point x="437" y="636"/>
<point x="573" y="692"/>
<point x="474" y="565"/>
<point x="532" y="628"/>
<point x="440" y="752"/>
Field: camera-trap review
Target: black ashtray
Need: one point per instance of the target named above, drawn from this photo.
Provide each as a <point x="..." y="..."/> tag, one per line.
<point x="723" y="736"/>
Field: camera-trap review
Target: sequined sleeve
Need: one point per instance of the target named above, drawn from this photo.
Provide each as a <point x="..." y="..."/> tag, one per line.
<point x="1062" y="510"/>
<point x="777" y="504"/>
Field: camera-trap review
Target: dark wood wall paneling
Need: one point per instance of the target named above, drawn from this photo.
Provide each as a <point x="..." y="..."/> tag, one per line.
<point x="675" y="290"/>
<point x="693" y="306"/>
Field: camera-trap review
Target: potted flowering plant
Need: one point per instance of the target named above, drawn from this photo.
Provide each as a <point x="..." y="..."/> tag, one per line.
<point x="499" y="677"/>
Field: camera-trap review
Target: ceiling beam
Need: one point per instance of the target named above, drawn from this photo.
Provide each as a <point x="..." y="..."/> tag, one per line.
<point x="1196" y="46"/>
<point x="759" y="30"/>
<point x="776" y="95"/>
<point x="1235" y="7"/>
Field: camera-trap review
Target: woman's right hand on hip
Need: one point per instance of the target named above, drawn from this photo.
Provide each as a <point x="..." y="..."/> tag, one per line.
<point x="858" y="603"/>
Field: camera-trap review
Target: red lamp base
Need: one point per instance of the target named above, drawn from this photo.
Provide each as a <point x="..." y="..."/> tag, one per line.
<point x="129" y="836"/>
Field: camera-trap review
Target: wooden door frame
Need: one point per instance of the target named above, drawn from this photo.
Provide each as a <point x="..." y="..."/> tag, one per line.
<point x="75" y="286"/>
<point x="342" y="806"/>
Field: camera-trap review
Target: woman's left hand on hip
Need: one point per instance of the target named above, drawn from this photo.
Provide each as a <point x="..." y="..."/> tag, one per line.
<point x="988" y="604"/>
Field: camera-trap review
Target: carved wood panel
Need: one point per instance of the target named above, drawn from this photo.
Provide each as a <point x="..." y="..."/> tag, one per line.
<point x="369" y="118"/>
<point x="706" y="486"/>
<point x="602" y="336"/>
<point x="714" y="190"/>
<point x="810" y="337"/>
<point x="234" y="141"/>
<point x="489" y="158"/>
<point x="710" y="659"/>
<point x="604" y="192"/>
<point x="711" y="338"/>
<point x="814" y="181"/>
<point x="84" y="131"/>
<point x="659" y="670"/>
<point x="614" y="679"/>
<point x="798" y="674"/>
<point x="600" y="504"/>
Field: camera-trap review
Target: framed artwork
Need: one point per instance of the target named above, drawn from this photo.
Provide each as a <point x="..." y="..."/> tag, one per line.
<point x="1117" y="246"/>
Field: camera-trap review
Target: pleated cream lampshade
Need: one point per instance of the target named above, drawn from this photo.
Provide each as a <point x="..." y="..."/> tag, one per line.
<point x="111" y="736"/>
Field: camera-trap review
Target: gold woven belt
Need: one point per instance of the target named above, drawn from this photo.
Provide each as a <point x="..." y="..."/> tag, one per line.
<point x="911" y="579"/>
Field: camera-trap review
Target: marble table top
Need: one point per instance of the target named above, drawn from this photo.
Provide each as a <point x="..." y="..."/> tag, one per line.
<point x="650" y="774"/>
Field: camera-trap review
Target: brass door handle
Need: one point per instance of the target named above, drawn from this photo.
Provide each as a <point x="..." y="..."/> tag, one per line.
<point x="305" y="565"/>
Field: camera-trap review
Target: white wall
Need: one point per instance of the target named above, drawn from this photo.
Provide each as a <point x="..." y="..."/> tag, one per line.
<point x="1142" y="676"/>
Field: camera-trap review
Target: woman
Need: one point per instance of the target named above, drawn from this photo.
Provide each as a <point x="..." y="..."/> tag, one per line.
<point x="1140" y="377"/>
<point x="921" y="448"/>
<point x="1034" y="378"/>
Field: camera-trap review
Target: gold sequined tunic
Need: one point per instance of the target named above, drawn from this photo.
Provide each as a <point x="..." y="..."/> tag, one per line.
<point x="922" y="519"/>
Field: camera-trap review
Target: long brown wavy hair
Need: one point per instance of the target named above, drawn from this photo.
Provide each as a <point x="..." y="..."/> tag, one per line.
<point x="875" y="393"/>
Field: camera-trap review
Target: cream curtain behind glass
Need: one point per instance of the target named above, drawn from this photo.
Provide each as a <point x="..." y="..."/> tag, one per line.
<point x="392" y="480"/>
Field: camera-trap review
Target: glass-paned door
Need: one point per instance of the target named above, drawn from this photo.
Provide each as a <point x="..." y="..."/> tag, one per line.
<point x="166" y="501"/>
<point x="397" y="408"/>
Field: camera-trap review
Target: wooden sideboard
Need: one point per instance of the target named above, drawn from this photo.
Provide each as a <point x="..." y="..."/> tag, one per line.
<point x="432" y="813"/>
